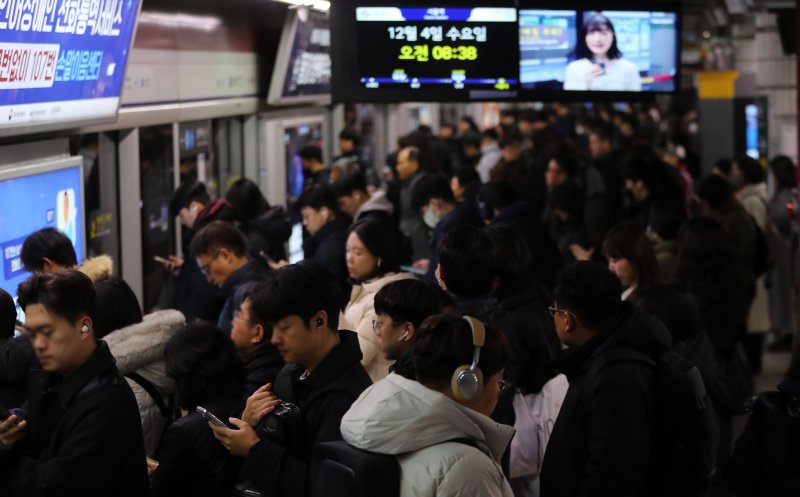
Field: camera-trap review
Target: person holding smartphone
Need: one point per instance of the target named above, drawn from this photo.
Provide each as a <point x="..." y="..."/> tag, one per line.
<point x="209" y="382"/>
<point x="598" y="63"/>
<point x="81" y="434"/>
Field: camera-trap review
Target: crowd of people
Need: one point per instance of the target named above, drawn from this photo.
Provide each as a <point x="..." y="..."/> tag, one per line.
<point x="581" y="249"/>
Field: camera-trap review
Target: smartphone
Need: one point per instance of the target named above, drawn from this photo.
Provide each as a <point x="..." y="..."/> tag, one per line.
<point x="209" y="416"/>
<point x="162" y="260"/>
<point x="602" y="66"/>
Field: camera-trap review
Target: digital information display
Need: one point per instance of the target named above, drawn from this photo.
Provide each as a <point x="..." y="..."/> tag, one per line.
<point x="303" y="65"/>
<point x="63" y="61"/>
<point x="421" y="48"/>
<point x="572" y="50"/>
<point x="40" y="197"/>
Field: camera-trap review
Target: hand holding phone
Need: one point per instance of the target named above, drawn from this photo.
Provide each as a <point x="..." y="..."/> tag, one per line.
<point x="209" y="416"/>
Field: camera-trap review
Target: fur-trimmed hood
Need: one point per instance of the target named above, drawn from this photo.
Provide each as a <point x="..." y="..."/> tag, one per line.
<point x="98" y="267"/>
<point x="140" y="347"/>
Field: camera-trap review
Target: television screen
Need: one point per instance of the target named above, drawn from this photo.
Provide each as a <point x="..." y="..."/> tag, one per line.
<point x="302" y="70"/>
<point x="36" y="197"/>
<point x="609" y="51"/>
<point x="421" y="52"/>
<point x="62" y="62"/>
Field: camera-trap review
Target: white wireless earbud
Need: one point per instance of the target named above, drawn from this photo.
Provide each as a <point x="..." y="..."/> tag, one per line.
<point x="403" y="338"/>
<point x="85" y="329"/>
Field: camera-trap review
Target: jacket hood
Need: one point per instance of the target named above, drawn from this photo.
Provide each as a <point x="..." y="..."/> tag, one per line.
<point x="377" y="202"/>
<point x="387" y="414"/>
<point x="142" y="344"/>
<point x="98" y="267"/>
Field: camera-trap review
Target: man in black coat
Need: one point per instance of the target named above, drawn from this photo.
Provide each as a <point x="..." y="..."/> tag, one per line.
<point x="434" y="198"/>
<point x="601" y="441"/>
<point x="221" y="252"/>
<point x="251" y="337"/>
<point x="80" y="433"/>
<point x="16" y="356"/>
<point x="322" y="378"/>
<point x="194" y="295"/>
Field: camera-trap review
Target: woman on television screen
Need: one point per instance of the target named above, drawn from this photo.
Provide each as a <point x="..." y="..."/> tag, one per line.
<point x="598" y="63"/>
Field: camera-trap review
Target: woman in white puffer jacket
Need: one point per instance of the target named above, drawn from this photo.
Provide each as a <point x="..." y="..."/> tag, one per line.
<point x="138" y="345"/>
<point x="373" y="261"/>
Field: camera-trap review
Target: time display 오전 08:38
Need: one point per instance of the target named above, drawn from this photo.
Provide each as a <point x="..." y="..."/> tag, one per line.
<point x="423" y="53"/>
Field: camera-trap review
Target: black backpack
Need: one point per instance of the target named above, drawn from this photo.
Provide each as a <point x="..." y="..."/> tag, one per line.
<point x="685" y="429"/>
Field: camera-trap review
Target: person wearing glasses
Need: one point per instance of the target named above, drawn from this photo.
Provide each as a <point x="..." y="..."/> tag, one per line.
<point x="400" y="308"/>
<point x="446" y="445"/>
<point x="194" y="296"/>
<point x="221" y="253"/>
<point x="252" y="336"/>
<point x="598" y="63"/>
<point x="601" y="440"/>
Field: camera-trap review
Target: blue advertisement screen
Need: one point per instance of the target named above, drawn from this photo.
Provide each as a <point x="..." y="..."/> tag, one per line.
<point x="56" y="54"/>
<point x="29" y="203"/>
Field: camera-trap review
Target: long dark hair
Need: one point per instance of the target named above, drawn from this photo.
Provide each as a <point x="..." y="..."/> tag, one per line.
<point x="382" y="241"/>
<point x="595" y="21"/>
<point x="628" y="241"/>
<point x="247" y="200"/>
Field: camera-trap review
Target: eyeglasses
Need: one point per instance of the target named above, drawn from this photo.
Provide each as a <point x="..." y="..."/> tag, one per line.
<point x="555" y="310"/>
<point x="204" y="268"/>
<point x="377" y="324"/>
<point x="505" y="386"/>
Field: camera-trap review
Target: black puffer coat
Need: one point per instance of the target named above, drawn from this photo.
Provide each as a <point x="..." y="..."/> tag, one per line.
<point x="601" y="439"/>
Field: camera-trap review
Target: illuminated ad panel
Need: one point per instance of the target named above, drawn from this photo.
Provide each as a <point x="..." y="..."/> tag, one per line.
<point x="420" y="47"/>
<point x="63" y="61"/>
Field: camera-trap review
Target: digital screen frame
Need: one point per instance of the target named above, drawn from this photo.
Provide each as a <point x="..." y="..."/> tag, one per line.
<point x="63" y="64"/>
<point x="300" y="54"/>
<point x="452" y="51"/>
<point x="36" y="196"/>
<point x="560" y="50"/>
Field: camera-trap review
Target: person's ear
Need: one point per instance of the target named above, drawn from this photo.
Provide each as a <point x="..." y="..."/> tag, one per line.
<point x="258" y="334"/>
<point x="319" y="320"/>
<point x="85" y="327"/>
<point x="410" y="330"/>
<point x="48" y="266"/>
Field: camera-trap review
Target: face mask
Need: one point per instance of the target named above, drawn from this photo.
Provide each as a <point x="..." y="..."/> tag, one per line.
<point x="430" y="218"/>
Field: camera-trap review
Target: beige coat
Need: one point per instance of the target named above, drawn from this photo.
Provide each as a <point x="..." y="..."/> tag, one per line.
<point x="358" y="316"/>
<point x="754" y="200"/>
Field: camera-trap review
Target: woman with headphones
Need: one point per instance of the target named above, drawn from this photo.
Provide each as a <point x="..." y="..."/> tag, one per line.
<point x="439" y="427"/>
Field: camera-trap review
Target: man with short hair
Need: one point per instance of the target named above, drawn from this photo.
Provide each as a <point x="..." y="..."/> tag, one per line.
<point x="409" y="172"/>
<point x="434" y="198"/>
<point x="314" y="169"/>
<point x="355" y="201"/>
<point x="601" y="441"/>
<point x="401" y="307"/>
<point x="323" y="377"/>
<point x="221" y="252"/>
<point x="81" y="433"/>
<point x="194" y="295"/>
<point x="49" y="250"/>
<point x="251" y="337"/>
